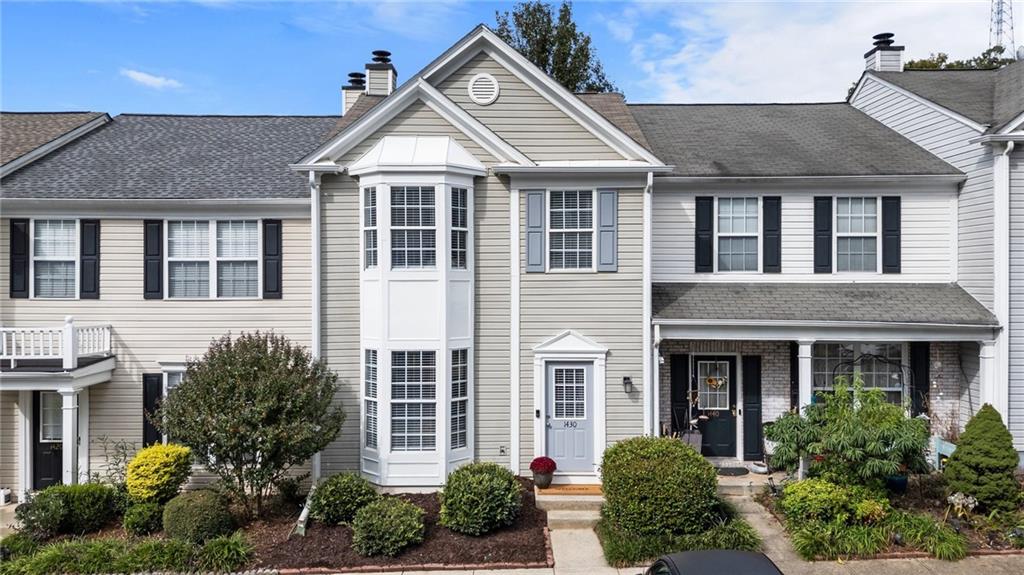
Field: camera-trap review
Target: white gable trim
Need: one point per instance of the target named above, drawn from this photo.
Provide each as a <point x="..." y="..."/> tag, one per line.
<point x="484" y="39"/>
<point x="919" y="99"/>
<point x="570" y="342"/>
<point x="409" y="93"/>
<point x="1014" y="125"/>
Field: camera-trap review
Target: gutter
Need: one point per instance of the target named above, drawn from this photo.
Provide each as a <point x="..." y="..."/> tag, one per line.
<point x="509" y="169"/>
<point x="816" y="323"/>
<point x="852" y="179"/>
<point x="1009" y="139"/>
<point x="314" y="215"/>
<point x="651" y="387"/>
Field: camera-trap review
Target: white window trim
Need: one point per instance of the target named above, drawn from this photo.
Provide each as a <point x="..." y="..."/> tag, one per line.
<point x="452" y="399"/>
<point x="367" y="398"/>
<point x="440" y="191"/>
<point x="375" y="227"/>
<point x="450" y="189"/>
<point x="166" y="369"/>
<point x="549" y="231"/>
<point x="212" y="258"/>
<point x="904" y="361"/>
<point x="32" y="260"/>
<point x="836" y="235"/>
<point x="60" y="408"/>
<point x="760" y="234"/>
<point x="440" y="411"/>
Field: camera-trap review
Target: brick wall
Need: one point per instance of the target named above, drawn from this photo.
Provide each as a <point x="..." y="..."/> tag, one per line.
<point x="947" y="381"/>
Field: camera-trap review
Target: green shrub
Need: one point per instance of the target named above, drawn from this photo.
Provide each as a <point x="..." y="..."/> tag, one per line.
<point x="658" y="486"/>
<point x="815" y="500"/>
<point x="225" y="554"/>
<point x="197" y="516"/>
<point x="291" y="491"/>
<point x="984" y="461"/>
<point x="143" y="519"/>
<point x="69" y="509"/>
<point x="624" y="549"/>
<point x="479" y="498"/>
<point x="156" y="473"/>
<point x="923" y="532"/>
<point x="387" y="526"/>
<point x="337" y="499"/>
<point x="17" y="545"/>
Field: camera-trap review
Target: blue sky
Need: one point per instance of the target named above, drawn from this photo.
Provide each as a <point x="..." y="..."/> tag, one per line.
<point x="225" y="57"/>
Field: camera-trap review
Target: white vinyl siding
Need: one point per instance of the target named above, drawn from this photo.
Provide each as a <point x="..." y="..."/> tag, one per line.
<point x="571" y="229"/>
<point x="413" y="235"/>
<point x="738" y="232"/>
<point x="55" y="259"/>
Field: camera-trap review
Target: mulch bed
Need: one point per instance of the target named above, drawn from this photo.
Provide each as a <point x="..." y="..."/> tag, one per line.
<point x="329" y="547"/>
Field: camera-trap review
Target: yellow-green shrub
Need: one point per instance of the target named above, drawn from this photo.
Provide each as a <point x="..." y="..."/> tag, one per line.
<point x="156" y="473"/>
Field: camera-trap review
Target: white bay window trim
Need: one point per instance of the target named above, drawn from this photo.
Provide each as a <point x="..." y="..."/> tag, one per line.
<point x="212" y="259"/>
<point x="757" y="235"/>
<point x="876" y="235"/>
<point x="550" y="231"/>
<point x="34" y="257"/>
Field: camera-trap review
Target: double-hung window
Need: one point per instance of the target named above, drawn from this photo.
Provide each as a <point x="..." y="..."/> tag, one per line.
<point x="413" y="237"/>
<point x="572" y="230"/>
<point x="856" y="234"/>
<point x="370" y="397"/>
<point x="55" y="258"/>
<point x="460" y="227"/>
<point x="370" y="227"/>
<point x="878" y="365"/>
<point x="737" y="234"/>
<point x="413" y="400"/>
<point x="460" y="398"/>
<point x="233" y="259"/>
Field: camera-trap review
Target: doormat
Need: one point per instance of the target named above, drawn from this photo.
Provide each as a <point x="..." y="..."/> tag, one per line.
<point x="732" y="471"/>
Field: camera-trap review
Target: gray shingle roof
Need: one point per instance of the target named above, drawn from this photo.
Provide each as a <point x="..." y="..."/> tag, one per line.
<point x="759" y="140"/>
<point x="946" y="304"/>
<point x="177" y="157"/>
<point x="22" y="132"/>
<point x="612" y="106"/>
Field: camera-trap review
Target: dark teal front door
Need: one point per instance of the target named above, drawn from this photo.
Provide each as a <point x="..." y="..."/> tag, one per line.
<point x="715" y="381"/>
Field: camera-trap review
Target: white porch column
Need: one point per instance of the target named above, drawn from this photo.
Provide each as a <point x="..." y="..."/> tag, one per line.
<point x="24" y="444"/>
<point x="69" y="445"/>
<point x="805" y="378"/>
<point x="991" y="386"/>
<point x="83" y="435"/>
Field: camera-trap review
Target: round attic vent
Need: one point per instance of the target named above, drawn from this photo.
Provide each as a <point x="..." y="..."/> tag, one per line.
<point x="483" y="89"/>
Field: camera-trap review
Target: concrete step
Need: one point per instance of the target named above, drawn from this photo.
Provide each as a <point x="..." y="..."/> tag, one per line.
<point x="573" y="518"/>
<point x="570" y="502"/>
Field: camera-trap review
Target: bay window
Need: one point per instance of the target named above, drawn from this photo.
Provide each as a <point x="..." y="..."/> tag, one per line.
<point x="460" y="398"/>
<point x="460" y="227"/>
<point x="857" y="234"/>
<point x="232" y="261"/>
<point x="737" y="234"/>
<point x="413" y="400"/>
<point x="572" y="229"/>
<point x="370" y="227"/>
<point x="413" y="235"/>
<point x="55" y="258"/>
<point x="370" y="398"/>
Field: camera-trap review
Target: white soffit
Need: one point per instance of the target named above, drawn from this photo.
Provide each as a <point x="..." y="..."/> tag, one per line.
<point x="416" y="153"/>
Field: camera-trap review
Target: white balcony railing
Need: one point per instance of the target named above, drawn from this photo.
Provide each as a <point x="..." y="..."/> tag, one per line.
<point x="66" y="343"/>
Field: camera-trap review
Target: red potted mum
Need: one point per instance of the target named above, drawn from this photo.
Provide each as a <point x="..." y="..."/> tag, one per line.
<point x="543" y="469"/>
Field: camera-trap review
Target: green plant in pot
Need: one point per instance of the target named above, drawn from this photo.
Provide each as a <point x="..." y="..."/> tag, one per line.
<point x="543" y="469"/>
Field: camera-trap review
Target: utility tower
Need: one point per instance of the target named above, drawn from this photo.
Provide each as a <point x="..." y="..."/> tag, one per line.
<point x="1000" y="28"/>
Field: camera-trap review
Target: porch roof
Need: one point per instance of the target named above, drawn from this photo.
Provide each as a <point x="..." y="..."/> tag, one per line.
<point x="938" y="304"/>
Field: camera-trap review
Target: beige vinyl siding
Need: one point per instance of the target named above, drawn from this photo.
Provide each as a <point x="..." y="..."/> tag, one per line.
<point x="340" y="297"/>
<point x="145" y="332"/>
<point x="947" y="139"/>
<point x="926" y="237"/>
<point x="1015" y="417"/>
<point x="9" y="438"/>
<point x="524" y="118"/>
<point x="606" y="307"/>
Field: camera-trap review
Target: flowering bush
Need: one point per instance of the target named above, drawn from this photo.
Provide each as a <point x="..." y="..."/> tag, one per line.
<point x="543" y="465"/>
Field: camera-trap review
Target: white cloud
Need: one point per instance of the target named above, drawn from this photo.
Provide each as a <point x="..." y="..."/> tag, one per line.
<point x="150" y="81"/>
<point x="746" y="52"/>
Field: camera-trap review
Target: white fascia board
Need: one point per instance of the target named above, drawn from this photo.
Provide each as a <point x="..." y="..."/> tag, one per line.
<point x="922" y="100"/>
<point x="820" y="330"/>
<point x="1014" y="125"/>
<point x="411" y="91"/>
<point x="52" y="145"/>
<point x="79" y="378"/>
<point x="999" y="138"/>
<point x="909" y="181"/>
<point x="606" y="168"/>
<point x="483" y="38"/>
<point x="139" y="209"/>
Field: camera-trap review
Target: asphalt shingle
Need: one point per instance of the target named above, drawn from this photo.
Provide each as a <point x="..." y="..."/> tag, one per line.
<point x="944" y="304"/>
<point x="22" y="132"/>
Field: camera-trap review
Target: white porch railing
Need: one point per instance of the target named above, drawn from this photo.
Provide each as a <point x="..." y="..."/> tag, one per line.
<point x="66" y="343"/>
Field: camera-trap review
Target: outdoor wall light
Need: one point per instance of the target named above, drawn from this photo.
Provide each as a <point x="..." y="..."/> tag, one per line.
<point x="627" y="384"/>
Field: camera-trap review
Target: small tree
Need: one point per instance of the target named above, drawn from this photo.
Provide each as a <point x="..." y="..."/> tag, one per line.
<point x="251" y="408"/>
<point x="984" y="462"/>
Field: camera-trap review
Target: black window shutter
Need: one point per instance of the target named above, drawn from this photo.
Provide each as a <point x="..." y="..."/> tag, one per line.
<point x="704" y="239"/>
<point x="772" y="207"/>
<point x="90" y="259"/>
<point x="823" y="235"/>
<point x="920" y="379"/>
<point x="153" y="259"/>
<point x="794" y="375"/>
<point x="753" y="434"/>
<point x="19" y="258"/>
<point x="272" y="259"/>
<point x="152" y="391"/>
<point x="891" y="234"/>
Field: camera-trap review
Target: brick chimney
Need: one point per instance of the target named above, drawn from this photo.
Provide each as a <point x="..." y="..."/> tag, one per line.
<point x="350" y="93"/>
<point x="884" y="57"/>
<point x="381" y="76"/>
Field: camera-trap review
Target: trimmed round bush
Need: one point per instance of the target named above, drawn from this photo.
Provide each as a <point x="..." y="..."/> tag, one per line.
<point x="196" y="516"/>
<point x="156" y="473"/>
<point x="479" y="498"/>
<point x="658" y="485"/>
<point x="143" y="518"/>
<point x="387" y="526"/>
<point x="984" y="461"/>
<point x="69" y="509"/>
<point x="337" y="499"/>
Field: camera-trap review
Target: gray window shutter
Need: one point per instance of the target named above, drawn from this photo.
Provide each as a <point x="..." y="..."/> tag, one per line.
<point x="891" y="235"/>
<point x="823" y="235"/>
<point x="535" y="231"/>
<point x="704" y="233"/>
<point x="19" y="258"/>
<point x="607" y="230"/>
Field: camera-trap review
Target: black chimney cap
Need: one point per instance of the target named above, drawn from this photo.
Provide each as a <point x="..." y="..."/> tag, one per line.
<point x="381" y="56"/>
<point x="883" y="39"/>
<point x="356" y="80"/>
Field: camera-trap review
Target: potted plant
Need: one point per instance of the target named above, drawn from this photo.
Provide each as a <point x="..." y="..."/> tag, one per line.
<point x="543" y="469"/>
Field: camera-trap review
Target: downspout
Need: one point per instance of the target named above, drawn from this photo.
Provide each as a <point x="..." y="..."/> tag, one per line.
<point x="314" y="221"/>
<point x="651" y="390"/>
<point x="1001" y="238"/>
